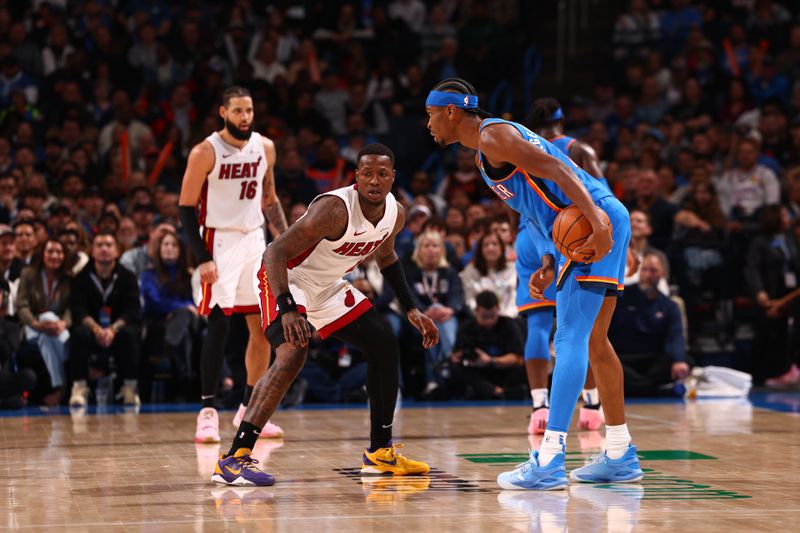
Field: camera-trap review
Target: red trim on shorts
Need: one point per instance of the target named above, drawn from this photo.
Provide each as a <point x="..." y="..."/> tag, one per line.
<point x="244" y="309"/>
<point x="345" y="319"/>
<point x="205" y="301"/>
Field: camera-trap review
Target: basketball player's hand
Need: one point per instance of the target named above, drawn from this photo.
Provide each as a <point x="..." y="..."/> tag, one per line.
<point x="632" y="263"/>
<point x="680" y="370"/>
<point x="540" y="280"/>
<point x="295" y="329"/>
<point x="598" y="244"/>
<point x="426" y="326"/>
<point x="208" y="272"/>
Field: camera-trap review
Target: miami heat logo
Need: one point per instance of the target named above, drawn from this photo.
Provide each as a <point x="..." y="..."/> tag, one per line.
<point x="237" y="171"/>
<point x="359" y="249"/>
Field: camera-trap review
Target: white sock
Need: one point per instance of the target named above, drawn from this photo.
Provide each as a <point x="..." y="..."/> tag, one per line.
<point x="554" y="442"/>
<point x="130" y="383"/>
<point x="590" y="396"/>
<point x="617" y="441"/>
<point x="539" y="397"/>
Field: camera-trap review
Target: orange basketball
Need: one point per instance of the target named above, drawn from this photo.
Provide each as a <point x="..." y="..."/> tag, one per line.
<point x="570" y="231"/>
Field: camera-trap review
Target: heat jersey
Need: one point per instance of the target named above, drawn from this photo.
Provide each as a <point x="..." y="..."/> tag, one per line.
<point x="534" y="197"/>
<point x="327" y="261"/>
<point x="231" y="196"/>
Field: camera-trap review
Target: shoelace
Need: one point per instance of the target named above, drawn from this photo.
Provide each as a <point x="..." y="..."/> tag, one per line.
<point x="599" y="458"/>
<point x="248" y="463"/>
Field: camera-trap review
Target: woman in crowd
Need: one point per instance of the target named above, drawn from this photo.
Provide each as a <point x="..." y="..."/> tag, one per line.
<point x="437" y="287"/>
<point x="490" y="271"/>
<point x="42" y="307"/>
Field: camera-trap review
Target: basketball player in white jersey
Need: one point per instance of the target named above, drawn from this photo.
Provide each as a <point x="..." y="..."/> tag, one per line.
<point x="227" y="178"/>
<point x="300" y="282"/>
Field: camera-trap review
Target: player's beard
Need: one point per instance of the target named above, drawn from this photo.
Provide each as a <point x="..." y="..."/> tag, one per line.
<point x="236" y="133"/>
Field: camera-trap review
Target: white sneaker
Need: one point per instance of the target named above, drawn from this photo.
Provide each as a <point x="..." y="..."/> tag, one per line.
<point x="207" y="426"/>
<point x="269" y="431"/>
<point x="80" y="394"/>
<point x="129" y="396"/>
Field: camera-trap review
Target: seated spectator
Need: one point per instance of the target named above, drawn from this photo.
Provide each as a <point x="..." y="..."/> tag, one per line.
<point x="74" y="240"/>
<point x="437" y="288"/>
<point x="640" y="246"/>
<point x="105" y="307"/>
<point x="43" y="310"/>
<point x="25" y="244"/>
<point x="647" y="333"/>
<point x="487" y="359"/>
<point x="701" y="219"/>
<point x="771" y="272"/>
<point x="14" y="384"/>
<point x="748" y="186"/>
<point x="661" y="212"/>
<point x="142" y="258"/>
<point x="169" y="311"/>
<point x="491" y="271"/>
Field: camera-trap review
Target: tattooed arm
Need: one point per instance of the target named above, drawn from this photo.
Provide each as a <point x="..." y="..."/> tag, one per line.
<point x="272" y="205"/>
<point x="326" y="219"/>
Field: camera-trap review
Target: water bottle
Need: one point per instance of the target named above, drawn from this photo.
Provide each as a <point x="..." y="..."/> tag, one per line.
<point x="104" y="390"/>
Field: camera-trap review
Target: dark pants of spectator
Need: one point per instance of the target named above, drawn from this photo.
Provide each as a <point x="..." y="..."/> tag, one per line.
<point x="479" y="383"/>
<point x="125" y="349"/>
<point x="645" y="373"/>
<point x="771" y="350"/>
<point x="13" y="385"/>
<point x="323" y="388"/>
<point x="172" y="341"/>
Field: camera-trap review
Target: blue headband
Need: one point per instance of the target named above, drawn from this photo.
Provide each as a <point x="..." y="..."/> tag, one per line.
<point x="557" y="115"/>
<point x="441" y="99"/>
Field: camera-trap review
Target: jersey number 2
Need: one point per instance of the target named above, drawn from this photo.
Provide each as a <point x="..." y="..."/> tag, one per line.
<point x="248" y="190"/>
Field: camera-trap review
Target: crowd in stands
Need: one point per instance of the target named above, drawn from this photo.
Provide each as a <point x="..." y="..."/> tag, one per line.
<point x="696" y="122"/>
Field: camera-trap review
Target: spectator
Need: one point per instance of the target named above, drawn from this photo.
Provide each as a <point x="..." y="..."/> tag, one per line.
<point x="439" y="291"/>
<point x="15" y="384"/>
<point x="42" y="307"/>
<point x="647" y="333"/>
<point x="25" y="245"/>
<point x="74" y="242"/>
<point x="659" y="210"/>
<point x="748" y="186"/>
<point x="635" y="30"/>
<point x="143" y="257"/>
<point x="490" y="271"/>
<point x="771" y="271"/>
<point x="170" y="315"/>
<point x="701" y="220"/>
<point x="105" y="308"/>
<point x="640" y="246"/>
<point x="487" y="357"/>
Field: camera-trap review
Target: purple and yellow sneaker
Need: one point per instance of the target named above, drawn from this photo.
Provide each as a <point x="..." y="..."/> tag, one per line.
<point x="239" y="469"/>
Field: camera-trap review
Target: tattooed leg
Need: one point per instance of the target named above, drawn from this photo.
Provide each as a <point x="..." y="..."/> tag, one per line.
<point x="272" y="386"/>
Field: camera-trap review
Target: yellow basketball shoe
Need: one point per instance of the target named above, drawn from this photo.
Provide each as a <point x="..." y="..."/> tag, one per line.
<point x="388" y="460"/>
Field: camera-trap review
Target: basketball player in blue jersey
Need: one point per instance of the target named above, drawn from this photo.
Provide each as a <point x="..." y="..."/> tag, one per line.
<point x="536" y="179"/>
<point x="547" y="120"/>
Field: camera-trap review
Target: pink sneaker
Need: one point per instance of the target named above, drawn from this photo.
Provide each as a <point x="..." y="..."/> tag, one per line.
<point x="591" y="419"/>
<point x="207" y="426"/>
<point x="789" y="379"/>
<point x="538" y="421"/>
<point x="269" y="431"/>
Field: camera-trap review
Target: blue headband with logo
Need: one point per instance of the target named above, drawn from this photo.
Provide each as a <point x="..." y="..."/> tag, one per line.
<point x="441" y="99"/>
<point x="557" y="114"/>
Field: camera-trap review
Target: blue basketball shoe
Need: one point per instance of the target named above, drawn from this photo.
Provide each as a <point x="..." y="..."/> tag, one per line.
<point x="603" y="469"/>
<point x="240" y="469"/>
<point x="530" y="476"/>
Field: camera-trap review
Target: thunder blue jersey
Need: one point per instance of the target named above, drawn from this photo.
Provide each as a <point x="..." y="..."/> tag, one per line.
<point x="562" y="142"/>
<point x="534" y="197"/>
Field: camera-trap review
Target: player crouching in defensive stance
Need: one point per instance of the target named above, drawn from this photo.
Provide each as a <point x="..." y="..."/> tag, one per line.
<point x="300" y="282"/>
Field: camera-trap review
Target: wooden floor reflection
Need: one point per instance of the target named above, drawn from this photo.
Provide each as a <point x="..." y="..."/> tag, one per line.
<point x="712" y="466"/>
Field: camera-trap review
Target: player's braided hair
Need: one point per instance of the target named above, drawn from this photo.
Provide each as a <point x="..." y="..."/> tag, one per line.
<point x="233" y="92"/>
<point x="541" y="113"/>
<point x="457" y="85"/>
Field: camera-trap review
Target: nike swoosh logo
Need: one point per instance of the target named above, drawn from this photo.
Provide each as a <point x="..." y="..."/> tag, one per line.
<point x="386" y="427"/>
<point x="225" y="156"/>
<point x="356" y="234"/>
<point x="393" y="462"/>
<point x="237" y="472"/>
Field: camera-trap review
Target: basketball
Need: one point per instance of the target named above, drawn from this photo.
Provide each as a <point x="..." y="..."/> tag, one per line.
<point x="570" y="231"/>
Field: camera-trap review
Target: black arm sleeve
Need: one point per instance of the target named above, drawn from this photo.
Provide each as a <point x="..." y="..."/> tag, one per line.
<point x="191" y="229"/>
<point x="394" y="275"/>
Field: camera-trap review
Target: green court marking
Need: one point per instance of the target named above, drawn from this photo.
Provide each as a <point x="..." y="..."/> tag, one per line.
<point x="574" y="457"/>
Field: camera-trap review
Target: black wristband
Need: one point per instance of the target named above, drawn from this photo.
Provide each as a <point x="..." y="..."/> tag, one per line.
<point x="191" y="230"/>
<point x="394" y="276"/>
<point x="286" y="303"/>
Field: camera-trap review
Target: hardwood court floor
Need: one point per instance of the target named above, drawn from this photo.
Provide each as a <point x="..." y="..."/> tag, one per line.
<point x="714" y="466"/>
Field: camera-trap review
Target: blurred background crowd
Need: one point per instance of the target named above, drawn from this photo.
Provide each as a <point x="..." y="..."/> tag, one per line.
<point x="693" y="109"/>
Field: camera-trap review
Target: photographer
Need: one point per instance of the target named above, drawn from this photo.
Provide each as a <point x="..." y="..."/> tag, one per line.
<point x="487" y="360"/>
